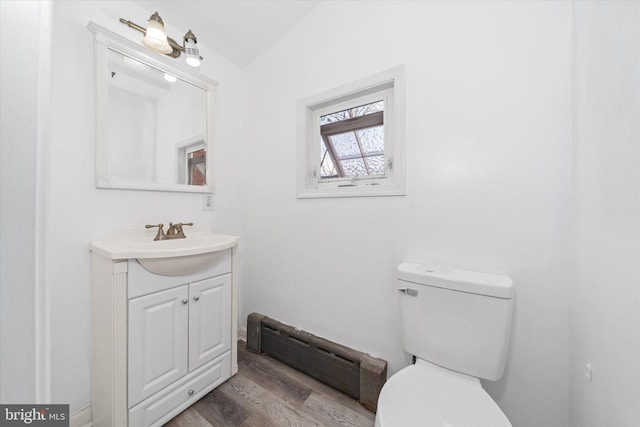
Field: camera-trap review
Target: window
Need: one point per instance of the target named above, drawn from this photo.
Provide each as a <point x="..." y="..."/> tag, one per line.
<point x="197" y="165"/>
<point x="191" y="156"/>
<point x="352" y="139"/>
<point x="353" y="142"/>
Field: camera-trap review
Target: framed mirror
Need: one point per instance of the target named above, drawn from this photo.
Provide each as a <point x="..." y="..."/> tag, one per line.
<point x="153" y="117"/>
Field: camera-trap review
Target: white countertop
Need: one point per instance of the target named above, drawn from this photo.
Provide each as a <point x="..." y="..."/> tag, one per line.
<point x="138" y="243"/>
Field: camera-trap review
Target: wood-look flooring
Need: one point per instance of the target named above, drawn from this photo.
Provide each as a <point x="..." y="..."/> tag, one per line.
<point x="266" y="392"/>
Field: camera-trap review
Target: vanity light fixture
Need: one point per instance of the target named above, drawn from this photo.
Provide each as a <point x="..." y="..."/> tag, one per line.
<point x="156" y="39"/>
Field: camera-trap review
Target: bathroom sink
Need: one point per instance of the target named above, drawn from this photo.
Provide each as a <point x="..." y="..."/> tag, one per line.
<point x="138" y="243"/>
<point x="191" y="245"/>
<point x="179" y="265"/>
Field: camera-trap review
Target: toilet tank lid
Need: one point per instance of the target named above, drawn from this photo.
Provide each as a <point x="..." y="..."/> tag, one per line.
<point x="494" y="285"/>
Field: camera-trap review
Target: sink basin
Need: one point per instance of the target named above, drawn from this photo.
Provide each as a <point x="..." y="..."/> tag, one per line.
<point x="166" y="257"/>
<point x="191" y="245"/>
<point x="179" y="265"/>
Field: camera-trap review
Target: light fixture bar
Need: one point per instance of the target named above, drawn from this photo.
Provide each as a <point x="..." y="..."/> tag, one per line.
<point x="133" y="25"/>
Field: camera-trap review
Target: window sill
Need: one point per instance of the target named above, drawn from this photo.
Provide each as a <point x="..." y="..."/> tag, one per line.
<point x="355" y="191"/>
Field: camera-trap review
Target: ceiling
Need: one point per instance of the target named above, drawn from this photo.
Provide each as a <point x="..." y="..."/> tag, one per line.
<point x="239" y="30"/>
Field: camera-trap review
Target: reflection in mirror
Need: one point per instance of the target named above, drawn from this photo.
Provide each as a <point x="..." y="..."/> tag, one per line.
<point x="151" y="117"/>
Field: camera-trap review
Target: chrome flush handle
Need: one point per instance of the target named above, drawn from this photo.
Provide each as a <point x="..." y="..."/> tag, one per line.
<point x="409" y="291"/>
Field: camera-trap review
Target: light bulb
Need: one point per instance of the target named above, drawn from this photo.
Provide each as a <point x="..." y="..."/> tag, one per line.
<point x="155" y="38"/>
<point x="193" y="61"/>
<point x="191" y="50"/>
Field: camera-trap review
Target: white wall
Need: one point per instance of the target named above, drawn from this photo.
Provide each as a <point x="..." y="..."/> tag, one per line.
<point x="605" y="292"/>
<point x="488" y="141"/>
<point x="23" y="135"/>
<point x="78" y="212"/>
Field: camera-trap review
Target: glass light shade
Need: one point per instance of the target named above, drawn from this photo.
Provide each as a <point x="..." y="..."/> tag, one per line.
<point x="155" y="38"/>
<point x="191" y="51"/>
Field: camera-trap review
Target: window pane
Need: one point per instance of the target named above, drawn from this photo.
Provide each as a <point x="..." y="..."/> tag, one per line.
<point x="353" y="167"/>
<point x="349" y="137"/>
<point x="345" y="144"/>
<point x="375" y="165"/>
<point x="372" y="139"/>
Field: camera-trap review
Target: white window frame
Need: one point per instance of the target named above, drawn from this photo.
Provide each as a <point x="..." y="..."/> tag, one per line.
<point x="388" y="86"/>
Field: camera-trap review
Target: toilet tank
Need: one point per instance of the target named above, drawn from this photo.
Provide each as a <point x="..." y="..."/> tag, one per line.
<point x="456" y="319"/>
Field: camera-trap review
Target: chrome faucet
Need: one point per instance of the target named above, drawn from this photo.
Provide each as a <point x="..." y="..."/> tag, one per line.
<point x="174" y="232"/>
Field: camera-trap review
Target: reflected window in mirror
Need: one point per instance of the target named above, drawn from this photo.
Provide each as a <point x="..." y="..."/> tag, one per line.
<point x="191" y="162"/>
<point x="197" y="167"/>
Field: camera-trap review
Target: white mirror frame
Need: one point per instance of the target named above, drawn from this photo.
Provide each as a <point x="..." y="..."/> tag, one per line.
<point x="106" y="40"/>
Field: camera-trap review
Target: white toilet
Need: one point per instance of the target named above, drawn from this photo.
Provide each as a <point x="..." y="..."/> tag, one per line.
<point x="456" y="323"/>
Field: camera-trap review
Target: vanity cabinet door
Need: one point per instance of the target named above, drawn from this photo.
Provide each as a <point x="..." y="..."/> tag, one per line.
<point x="209" y="319"/>
<point x="158" y="341"/>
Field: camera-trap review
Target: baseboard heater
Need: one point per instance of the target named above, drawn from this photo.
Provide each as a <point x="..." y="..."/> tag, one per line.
<point x="352" y="372"/>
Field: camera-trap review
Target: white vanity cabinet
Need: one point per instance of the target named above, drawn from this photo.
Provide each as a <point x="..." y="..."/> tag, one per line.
<point x="174" y="332"/>
<point x="159" y="343"/>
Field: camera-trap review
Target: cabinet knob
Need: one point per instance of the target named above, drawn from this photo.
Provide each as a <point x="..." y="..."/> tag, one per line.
<point x="184" y="301"/>
<point x="196" y="298"/>
<point x="190" y="392"/>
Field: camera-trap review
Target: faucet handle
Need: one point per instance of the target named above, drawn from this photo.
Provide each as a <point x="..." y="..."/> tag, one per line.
<point x="178" y="226"/>
<point x="160" y="234"/>
<point x="185" y="223"/>
<point x="177" y="229"/>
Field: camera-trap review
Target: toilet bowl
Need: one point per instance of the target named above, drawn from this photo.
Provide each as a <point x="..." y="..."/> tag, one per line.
<point x="456" y="324"/>
<point x="425" y="395"/>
